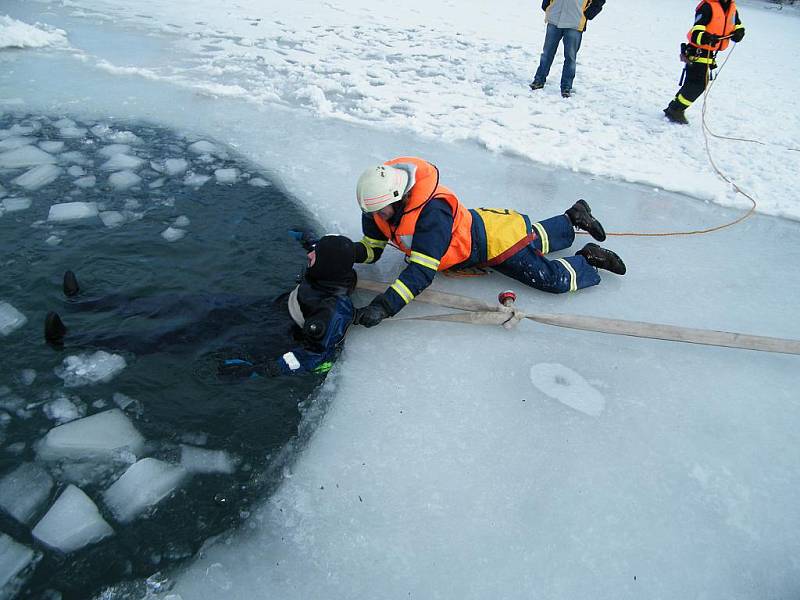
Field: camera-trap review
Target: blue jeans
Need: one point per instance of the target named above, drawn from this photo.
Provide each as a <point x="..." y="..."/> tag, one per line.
<point x="572" y="43"/>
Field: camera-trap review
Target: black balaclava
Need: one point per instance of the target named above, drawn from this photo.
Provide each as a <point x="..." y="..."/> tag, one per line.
<point x="333" y="260"/>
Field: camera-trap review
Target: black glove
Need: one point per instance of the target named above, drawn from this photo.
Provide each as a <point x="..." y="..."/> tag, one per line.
<point x="371" y="315"/>
<point x="738" y="35"/>
<point x="709" y="39"/>
<point x="307" y="238"/>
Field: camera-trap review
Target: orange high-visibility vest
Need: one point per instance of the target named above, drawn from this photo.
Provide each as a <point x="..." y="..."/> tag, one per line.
<point x="721" y="24"/>
<point x="426" y="187"/>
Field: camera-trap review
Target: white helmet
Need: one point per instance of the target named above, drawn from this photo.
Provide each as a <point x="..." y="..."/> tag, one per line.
<point x="379" y="187"/>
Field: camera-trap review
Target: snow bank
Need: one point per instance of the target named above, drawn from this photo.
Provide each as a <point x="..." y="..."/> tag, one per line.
<point x="16" y="34"/>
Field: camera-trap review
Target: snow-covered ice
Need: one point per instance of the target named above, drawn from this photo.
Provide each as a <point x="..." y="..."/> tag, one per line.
<point x="24" y="491"/>
<point x="105" y="436"/>
<point x="10" y="318"/>
<point x="144" y="484"/>
<point x="72" y="522"/>
<point x="72" y="211"/>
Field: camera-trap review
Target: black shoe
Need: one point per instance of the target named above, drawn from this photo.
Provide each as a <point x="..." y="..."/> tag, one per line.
<point x="676" y="115"/>
<point x="54" y="328"/>
<point x="602" y="258"/>
<point x="70" y="285"/>
<point x="580" y="215"/>
<point x="535" y="85"/>
<point x="566" y="93"/>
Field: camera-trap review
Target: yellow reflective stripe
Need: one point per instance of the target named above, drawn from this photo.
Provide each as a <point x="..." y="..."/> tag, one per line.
<point x="699" y="28"/>
<point x="683" y="100"/>
<point x="573" y="276"/>
<point x="739" y="26"/>
<point x="425" y="260"/>
<point x="702" y="61"/>
<point x="542" y="236"/>
<point x="402" y="291"/>
<point x="368" y="241"/>
<point x="370" y="253"/>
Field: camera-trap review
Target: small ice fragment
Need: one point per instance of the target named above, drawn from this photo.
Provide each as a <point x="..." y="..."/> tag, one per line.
<point x="203" y="147"/>
<point x="87" y="369"/>
<point x="63" y="410"/>
<point x="156" y="183"/>
<point x="72" y="522"/>
<point x="14" y="142"/>
<point x="76" y="171"/>
<point x="201" y="460"/>
<point x="27" y="376"/>
<point x="122" y="180"/>
<point x="52" y="147"/>
<point x="86" y="182"/>
<point x="15" y="204"/>
<point x="38" y="177"/>
<point x="172" y="234"/>
<point x="259" y="182"/>
<point x="226" y="175"/>
<point x="70" y="211"/>
<point x="112" y="218"/>
<point x="195" y="179"/>
<point x="182" y="221"/>
<point x="175" y="166"/>
<point x="72" y="132"/>
<point x="27" y="156"/>
<point x="122" y="162"/>
<point x="113" y="150"/>
<point x="10" y="318"/>
<point x="143" y="485"/>
<point x="24" y="490"/>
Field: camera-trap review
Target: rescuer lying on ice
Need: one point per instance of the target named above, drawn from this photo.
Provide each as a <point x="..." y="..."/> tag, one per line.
<point x="714" y="22"/>
<point x="402" y="202"/>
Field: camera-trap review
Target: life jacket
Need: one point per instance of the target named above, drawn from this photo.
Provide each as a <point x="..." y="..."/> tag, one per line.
<point x="722" y="23"/>
<point x="426" y="187"/>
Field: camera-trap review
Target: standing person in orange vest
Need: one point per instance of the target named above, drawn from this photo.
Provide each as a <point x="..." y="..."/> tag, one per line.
<point x="403" y="203"/>
<point x="715" y="22"/>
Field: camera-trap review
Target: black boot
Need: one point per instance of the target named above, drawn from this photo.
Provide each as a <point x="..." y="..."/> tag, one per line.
<point x="580" y="215"/>
<point x="602" y="258"/>
<point x="54" y="328"/>
<point x="676" y="114"/>
<point x="70" y="285"/>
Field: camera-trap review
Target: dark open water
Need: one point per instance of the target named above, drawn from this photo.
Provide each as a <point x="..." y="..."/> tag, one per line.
<point x="236" y="242"/>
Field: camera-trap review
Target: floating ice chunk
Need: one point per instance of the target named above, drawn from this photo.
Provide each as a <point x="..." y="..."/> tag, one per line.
<point x="24" y="490"/>
<point x="568" y="387"/>
<point x="71" y="211"/>
<point x="197" y="438"/>
<point x="64" y="123"/>
<point x="20" y="129"/>
<point x="27" y="376"/>
<point x="15" y="204"/>
<point x="144" y="484"/>
<point x="53" y="240"/>
<point x="86" y="369"/>
<point x="72" y="522"/>
<point x="127" y="403"/>
<point x="226" y="175"/>
<point x="74" y="157"/>
<point x="72" y="132"/>
<point x="86" y="182"/>
<point x="203" y="147"/>
<point x="63" y="410"/>
<point x="101" y="130"/>
<point x="195" y="179"/>
<point x="12" y="143"/>
<point x="10" y="318"/>
<point x="38" y="177"/>
<point x="259" y="182"/>
<point x="122" y="162"/>
<point x="201" y="460"/>
<point x="113" y="150"/>
<point x="15" y="561"/>
<point x="122" y="180"/>
<point x="172" y="234"/>
<point x="76" y="171"/>
<point x="124" y="137"/>
<point x="104" y="435"/>
<point x="112" y="218"/>
<point x="182" y="221"/>
<point x="157" y="183"/>
<point x="51" y="146"/>
<point x="175" y="166"/>
<point x="27" y="156"/>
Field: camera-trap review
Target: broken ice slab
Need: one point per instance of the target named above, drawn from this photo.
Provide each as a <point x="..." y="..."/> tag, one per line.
<point x="72" y="522"/>
<point x="15" y="560"/>
<point x="70" y="211"/>
<point x="24" y="490"/>
<point x="86" y="369"/>
<point x="102" y="435"/>
<point x="38" y="177"/>
<point x="10" y="318"/>
<point x="201" y="460"/>
<point x="15" y="204"/>
<point x="143" y="485"/>
<point x="26" y="156"/>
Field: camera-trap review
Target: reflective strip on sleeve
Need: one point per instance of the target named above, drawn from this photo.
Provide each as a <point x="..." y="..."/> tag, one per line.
<point x="542" y="236"/>
<point x="402" y="291"/>
<point x="683" y="100"/>
<point x="291" y="360"/>
<point x="370" y="245"/>
<point x="425" y="260"/>
<point x="573" y="276"/>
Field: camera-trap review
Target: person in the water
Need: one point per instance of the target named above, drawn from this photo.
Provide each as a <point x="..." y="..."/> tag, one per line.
<point x="301" y="331"/>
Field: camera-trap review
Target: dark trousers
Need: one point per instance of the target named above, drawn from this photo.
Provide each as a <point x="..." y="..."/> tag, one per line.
<point x="530" y="266"/>
<point x="694" y="84"/>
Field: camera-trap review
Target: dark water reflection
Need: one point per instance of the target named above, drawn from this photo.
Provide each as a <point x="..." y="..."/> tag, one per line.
<point x="235" y="242"/>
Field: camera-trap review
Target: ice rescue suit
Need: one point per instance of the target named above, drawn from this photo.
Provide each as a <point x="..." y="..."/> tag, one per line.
<point x="712" y="17"/>
<point x="436" y="232"/>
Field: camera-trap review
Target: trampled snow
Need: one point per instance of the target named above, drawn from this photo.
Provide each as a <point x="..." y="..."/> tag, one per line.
<point x="442" y="466"/>
<point x="72" y="522"/>
<point x="143" y="485"/>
